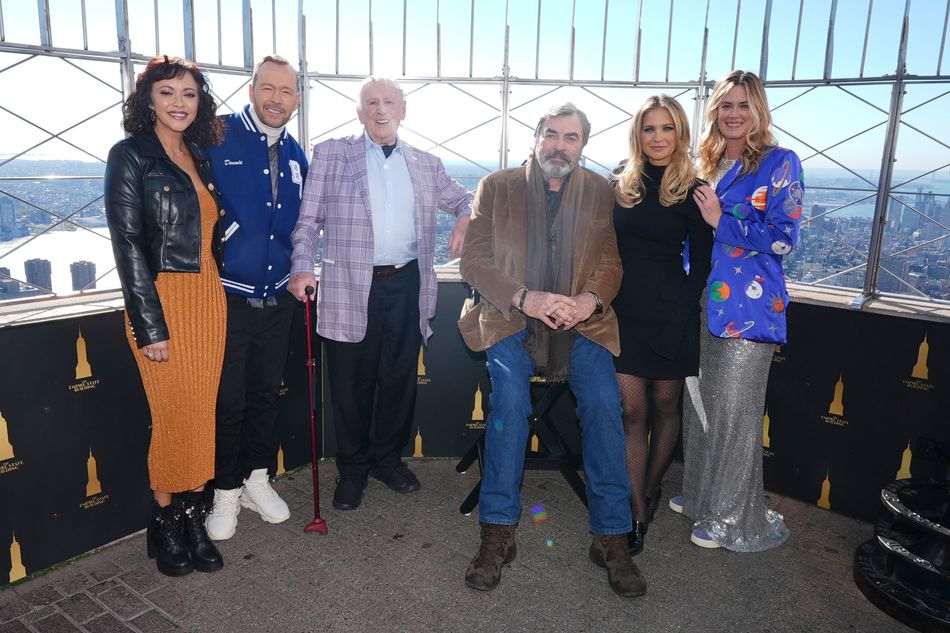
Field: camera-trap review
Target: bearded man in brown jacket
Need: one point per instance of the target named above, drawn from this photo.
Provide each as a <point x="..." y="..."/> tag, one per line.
<point x="542" y="254"/>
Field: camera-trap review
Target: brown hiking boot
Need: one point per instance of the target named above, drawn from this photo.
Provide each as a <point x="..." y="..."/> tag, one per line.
<point x="497" y="549"/>
<point x="613" y="553"/>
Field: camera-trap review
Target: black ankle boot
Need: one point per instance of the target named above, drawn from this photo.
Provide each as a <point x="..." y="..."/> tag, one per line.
<point x="204" y="555"/>
<point x="636" y="536"/>
<point x="165" y="543"/>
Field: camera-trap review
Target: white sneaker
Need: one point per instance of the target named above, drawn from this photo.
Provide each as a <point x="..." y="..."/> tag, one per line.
<point x="222" y="521"/>
<point x="258" y="496"/>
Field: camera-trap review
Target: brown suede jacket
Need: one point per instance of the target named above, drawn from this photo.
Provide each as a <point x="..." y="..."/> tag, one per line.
<point x="495" y="253"/>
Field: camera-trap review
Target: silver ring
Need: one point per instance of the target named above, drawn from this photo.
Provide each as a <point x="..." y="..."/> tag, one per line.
<point x="149" y="354"/>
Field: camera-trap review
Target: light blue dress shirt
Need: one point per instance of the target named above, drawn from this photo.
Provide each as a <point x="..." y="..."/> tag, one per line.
<point x="392" y="204"/>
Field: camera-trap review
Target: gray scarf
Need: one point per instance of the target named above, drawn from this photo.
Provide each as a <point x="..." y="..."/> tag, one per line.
<point x="550" y="267"/>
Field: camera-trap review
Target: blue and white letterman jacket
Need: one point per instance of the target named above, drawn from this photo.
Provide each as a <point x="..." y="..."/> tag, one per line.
<point x="256" y="228"/>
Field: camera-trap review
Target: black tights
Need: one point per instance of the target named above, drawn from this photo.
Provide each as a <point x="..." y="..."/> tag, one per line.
<point x="651" y="428"/>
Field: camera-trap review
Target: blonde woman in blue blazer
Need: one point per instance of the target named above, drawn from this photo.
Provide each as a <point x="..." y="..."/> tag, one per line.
<point x="753" y="203"/>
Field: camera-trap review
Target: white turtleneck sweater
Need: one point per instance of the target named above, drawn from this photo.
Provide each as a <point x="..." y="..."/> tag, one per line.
<point x="273" y="133"/>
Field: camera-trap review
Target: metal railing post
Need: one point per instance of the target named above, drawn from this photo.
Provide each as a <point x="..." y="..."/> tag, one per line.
<point x="879" y="223"/>
<point x="247" y="21"/>
<point x="505" y="106"/>
<point x="303" y="112"/>
<point x="188" y="25"/>
<point x="42" y="12"/>
<point x="126" y="70"/>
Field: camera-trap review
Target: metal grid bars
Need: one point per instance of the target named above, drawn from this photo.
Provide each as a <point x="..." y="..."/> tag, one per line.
<point x="852" y="92"/>
<point x="62" y="210"/>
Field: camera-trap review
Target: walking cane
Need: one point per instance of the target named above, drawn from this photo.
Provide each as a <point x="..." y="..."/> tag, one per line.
<point x="318" y="524"/>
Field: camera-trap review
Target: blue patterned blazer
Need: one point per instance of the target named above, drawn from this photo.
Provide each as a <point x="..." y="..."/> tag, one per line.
<point x="746" y="291"/>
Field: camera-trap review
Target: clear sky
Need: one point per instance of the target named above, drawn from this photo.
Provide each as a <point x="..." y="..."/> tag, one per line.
<point x="810" y="120"/>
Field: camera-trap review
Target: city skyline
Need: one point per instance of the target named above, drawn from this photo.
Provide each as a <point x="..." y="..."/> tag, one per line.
<point x="831" y="251"/>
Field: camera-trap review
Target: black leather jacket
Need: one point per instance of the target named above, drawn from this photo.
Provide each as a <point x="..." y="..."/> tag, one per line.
<point x="155" y="221"/>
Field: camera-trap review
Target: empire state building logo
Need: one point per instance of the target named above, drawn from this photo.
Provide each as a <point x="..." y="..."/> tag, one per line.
<point x="837" y="406"/>
<point x="94" y="495"/>
<point x="835" y="415"/>
<point x="93" y="487"/>
<point x="421" y="377"/>
<point x="8" y="460"/>
<point x="824" y="501"/>
<point x="417" y="453"/>
<point x="477" y="422"/>
<point x="84" y="378"/>
<point x="17" y="570"/>
<point x="920" y="374"/>
<point x="6" y="448"/>
<point x="920" y="368"/>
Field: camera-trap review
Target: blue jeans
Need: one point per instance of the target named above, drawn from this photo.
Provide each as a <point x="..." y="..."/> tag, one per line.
<point x="594" y="383"/>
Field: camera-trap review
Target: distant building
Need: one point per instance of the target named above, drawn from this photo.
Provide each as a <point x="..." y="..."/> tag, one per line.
<point x="39" y="274"/>
<point x="939" y="272"/>
<point x="84" y="275"/>
<point x="895" y="270"/>
<point x="7" y="216"/>
<point x="910" y="219"/>
<point x="8" y="287"/>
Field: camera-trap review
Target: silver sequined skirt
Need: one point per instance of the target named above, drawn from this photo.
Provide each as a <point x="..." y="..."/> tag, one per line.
<point x="722" y="475"/>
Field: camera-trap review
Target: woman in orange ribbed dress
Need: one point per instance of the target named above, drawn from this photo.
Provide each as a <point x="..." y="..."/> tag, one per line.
<point x="162" y="212"/>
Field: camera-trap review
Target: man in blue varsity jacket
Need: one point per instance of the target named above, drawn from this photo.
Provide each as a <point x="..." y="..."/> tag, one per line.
<point x="260" y="172"/>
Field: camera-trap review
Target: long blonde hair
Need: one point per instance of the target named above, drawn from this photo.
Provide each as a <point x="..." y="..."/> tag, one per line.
<point x="680" y="173"/>
<point x="758" y="141"/>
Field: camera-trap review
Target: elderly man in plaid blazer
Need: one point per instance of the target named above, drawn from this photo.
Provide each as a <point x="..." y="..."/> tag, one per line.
<point x="375" y="198"/>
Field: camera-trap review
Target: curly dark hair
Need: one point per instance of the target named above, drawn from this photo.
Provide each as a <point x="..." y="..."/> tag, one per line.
<point x="206" y="129"/>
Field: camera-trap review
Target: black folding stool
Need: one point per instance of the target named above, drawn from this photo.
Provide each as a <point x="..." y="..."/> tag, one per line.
<point x="544" y="395"/>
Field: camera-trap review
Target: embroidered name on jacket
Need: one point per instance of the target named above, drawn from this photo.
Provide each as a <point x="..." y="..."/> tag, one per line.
<point x="228" y="161"/>
<point x="296" y="176"/>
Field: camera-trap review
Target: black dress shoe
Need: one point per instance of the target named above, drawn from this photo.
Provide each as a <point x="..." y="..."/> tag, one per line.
<point x="399" y="479"/>
<point x="636" y="536"/>
<point x="403" y="469"/>
<point x="348" y="494"/>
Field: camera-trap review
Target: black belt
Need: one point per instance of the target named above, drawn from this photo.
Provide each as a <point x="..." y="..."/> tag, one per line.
<point x="389" y="271"/>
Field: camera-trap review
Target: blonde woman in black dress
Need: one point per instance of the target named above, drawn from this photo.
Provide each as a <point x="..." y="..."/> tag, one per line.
<point x="657" y="222"/>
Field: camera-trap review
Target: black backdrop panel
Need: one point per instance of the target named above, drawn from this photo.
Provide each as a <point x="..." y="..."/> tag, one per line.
<point x="74" y="436"/>
<point x="847" y="400"/>
<point x="77" y="425"/>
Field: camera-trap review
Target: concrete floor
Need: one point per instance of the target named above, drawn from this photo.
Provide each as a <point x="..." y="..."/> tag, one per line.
<point x="398" y="562"/>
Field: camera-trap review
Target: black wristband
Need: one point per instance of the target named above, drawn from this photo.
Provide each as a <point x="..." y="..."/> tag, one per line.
<point x="521" y="301"/>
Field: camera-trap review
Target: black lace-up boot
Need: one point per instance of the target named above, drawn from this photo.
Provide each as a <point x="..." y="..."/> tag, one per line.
<point x="194" y="509"/>
<point x="165" y="543"/>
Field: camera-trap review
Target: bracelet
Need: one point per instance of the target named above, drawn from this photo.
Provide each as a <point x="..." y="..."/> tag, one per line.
<point x="521" y="301"/>
<point x="598" y="304"/>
